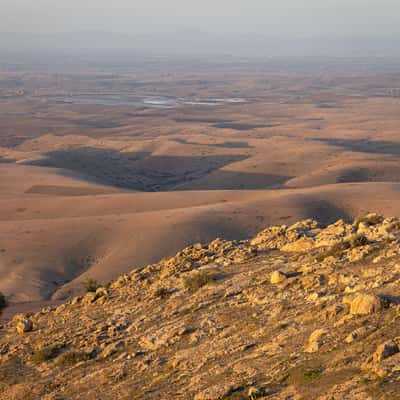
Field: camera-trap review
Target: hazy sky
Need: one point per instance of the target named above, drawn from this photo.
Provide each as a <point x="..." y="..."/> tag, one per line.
<point x="279" y="17"/>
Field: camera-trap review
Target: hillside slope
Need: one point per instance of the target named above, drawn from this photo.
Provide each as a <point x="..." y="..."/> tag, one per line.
<point x="298" y="312"/>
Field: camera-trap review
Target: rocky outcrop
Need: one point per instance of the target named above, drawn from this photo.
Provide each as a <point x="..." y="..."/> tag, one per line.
<point x="364" y="304"/>
<point x="299" y="312"/>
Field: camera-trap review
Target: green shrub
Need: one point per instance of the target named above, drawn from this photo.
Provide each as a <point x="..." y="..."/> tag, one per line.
<point x="90" y="285"/>
<point x="71" y="358"/>
<point x="311" y="374"/>
<point x="195" y="281"/>
<point x="46" y="354"/>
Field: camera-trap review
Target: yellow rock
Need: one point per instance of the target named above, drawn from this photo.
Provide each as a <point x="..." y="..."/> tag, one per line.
<point x="278" y="277"/>
<point x="364" y="304"/>
<point x="300" y="245"/>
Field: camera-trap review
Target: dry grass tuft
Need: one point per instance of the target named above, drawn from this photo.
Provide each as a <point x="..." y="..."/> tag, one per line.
<point x="198" y="280"/>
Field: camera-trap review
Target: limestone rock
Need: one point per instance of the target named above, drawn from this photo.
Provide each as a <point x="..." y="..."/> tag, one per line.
<point x="303" y="244"/>
<point x="24" y="325"/>
<point x="101" y="291"/>
<point x="253" y="393"/>
<point x="356" y="335"/>
<point x="390" y="366"/>
<point x="278" y="277"/>
<point x="364" y="304"/>
<point x="241" y="333"/>
<point x="89" y="298"/>
<point x="315" y="341"/>
<point x="385" y="350"/>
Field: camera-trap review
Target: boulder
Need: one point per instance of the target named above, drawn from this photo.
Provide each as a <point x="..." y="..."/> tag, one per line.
<point x="364" y="304"/>
<point x="24" y="325"/>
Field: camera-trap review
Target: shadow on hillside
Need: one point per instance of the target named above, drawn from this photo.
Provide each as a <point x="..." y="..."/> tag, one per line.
<point x="232" y="180"/>
<point x="202" y="120"/>
<point x="228" y="145"/>
<point x="365" y="146"/>
<point x="369" y="175"/>
<point x="237" y="126"/>
<point x="135" y="171"/>
<point x="225" y="124"/>
<point x="324" y="211"/>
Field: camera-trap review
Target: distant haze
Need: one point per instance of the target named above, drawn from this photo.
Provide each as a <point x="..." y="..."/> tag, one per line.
<point x="283" y="17"/>
<point x="243" y="27"/>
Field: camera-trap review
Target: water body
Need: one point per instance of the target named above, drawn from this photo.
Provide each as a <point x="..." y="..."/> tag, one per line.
<point x="141" y="101"/>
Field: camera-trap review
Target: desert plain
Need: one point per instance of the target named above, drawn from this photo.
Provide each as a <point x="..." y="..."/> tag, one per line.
<point x="107" y="169"/>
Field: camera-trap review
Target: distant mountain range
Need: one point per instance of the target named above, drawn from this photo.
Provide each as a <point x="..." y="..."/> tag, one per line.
<point x="199" y="43"/>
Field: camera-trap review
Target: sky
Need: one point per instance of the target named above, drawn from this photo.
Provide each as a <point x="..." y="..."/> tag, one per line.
<point x="267" y="17"/>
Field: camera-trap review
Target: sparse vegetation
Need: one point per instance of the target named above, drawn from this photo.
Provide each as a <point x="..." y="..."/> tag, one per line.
<point x="91" y="285"/>
<point x="367" y="381"/>
<point x="197" y="280"/>
<point x="46" y="354"/>
<point x="161" y="292"/>
<point x="358" y="240"/>
<point x="370" y="219"/>
<point x="311" y="374"/>
<point x="239" y="327"/>
<point x="71" y="358"/>
<point x="335" y="251"/>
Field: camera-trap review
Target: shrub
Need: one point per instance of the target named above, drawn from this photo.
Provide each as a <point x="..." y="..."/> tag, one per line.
<point x="72" y="358"/>
<point x="370" y="219"/>
<point x="161" y="292"/>
<point x="196" y="281"/>
<point x="3" y="302"/>
<point x="46" y="354"/>
<point x="90" y="285"/>
<point x="311" y="374"/>
<point x="358" y="240"/>
<point x="335" y="251"/>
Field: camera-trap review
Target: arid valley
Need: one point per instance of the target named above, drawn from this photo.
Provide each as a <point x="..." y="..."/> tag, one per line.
<point x="199" y="200"/>
<point x="196" y="229"/>
<point x="104" y="170"/>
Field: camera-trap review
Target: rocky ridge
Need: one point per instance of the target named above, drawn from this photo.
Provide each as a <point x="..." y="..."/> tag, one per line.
<point x="297" y="312"/>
